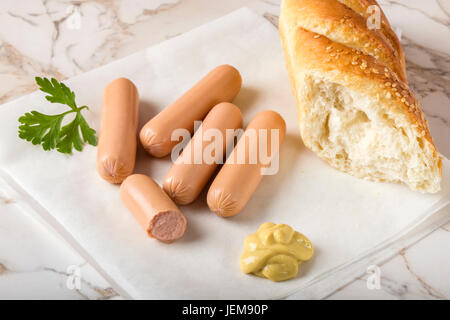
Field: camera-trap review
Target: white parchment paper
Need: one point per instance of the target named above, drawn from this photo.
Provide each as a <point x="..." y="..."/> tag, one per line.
<point x="343" y="216"/>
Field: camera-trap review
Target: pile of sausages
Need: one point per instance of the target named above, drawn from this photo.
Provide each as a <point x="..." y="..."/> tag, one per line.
<point x="208" y="101"/>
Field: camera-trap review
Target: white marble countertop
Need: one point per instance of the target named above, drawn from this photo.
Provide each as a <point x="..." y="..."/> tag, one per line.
<point x="65" y="38"/>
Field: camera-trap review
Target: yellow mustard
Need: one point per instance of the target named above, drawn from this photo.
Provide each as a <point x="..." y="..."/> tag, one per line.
<point x="275" y="251"/>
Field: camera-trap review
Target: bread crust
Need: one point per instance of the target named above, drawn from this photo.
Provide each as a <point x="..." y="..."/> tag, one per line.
<point x="341" y="24"/>
<point x="307" y="51"/>
<point x="361" y="6"/>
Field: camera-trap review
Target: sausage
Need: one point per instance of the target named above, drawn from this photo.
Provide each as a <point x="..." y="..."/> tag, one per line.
<point x="222" y="84"/>
<point x="117" y="142"/>
<point x="152" y="208"/>
<point x="186" y="178"/>
<point x="237" y="180"/>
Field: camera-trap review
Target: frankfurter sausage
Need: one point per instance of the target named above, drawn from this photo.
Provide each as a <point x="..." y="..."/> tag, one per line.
<point x="222" y="84"/>
<point x="152" y="208"/>
<point x="242" y="172"/>
<point x="188" y="176"/>
<point x="117" y="142"/>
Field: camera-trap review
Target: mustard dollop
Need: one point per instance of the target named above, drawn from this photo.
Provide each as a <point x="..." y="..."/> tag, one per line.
<point x="275" y="251"/>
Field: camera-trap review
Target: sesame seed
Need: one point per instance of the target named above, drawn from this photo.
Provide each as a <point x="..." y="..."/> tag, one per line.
<point x="397" y="94"/>
<point x="394" y="85"/>
<point x="363" y="66"/>
<point x="374" y="70"/>
<point x="403" y="100"/>
<point x="316" y="36"/>
<point x="407" y="103"/>
<point x="354" y="63"/>
<point x="387" y="84"/>
<point x="329" y="48"/>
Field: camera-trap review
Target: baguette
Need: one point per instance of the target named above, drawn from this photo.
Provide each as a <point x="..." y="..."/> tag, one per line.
<point x="355" y="108"/>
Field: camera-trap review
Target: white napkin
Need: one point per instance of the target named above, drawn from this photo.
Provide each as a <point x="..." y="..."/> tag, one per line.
<point x="344" y="217"/>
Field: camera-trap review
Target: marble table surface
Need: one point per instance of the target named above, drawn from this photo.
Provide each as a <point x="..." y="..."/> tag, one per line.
<point x="65" y="38"/>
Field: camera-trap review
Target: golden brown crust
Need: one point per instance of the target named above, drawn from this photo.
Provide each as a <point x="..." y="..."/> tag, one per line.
<point x="342" y="24"/>
<point x="307" y="51"/>
<point x="361" y="6"/>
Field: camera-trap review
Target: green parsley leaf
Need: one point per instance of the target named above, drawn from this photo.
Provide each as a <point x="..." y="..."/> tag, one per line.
<point x="45" y="129"/>
<point x="58" y="92"/>
<point x="40" y="128"/>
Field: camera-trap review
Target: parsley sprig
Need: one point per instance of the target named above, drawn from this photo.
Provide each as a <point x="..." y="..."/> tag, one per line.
<point x="46" y="129"/>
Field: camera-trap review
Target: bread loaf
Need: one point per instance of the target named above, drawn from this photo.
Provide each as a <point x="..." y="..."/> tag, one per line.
<point x="355" y="108"/>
